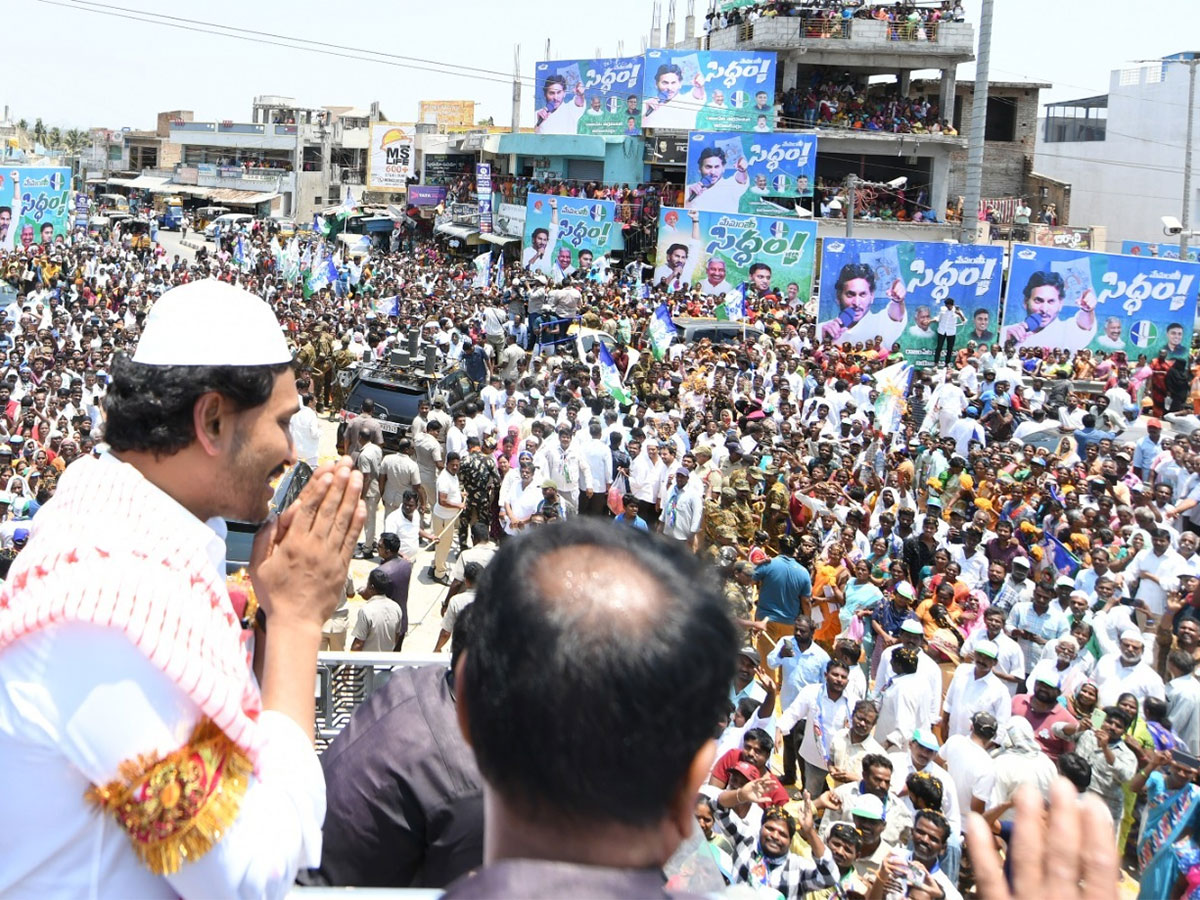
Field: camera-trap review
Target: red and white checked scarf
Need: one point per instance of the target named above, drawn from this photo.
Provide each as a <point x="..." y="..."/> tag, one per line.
<point x="113" y="550"/>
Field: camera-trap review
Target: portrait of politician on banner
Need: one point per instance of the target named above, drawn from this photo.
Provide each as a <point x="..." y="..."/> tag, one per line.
<point x="719" y="252"/>
<point x="1075" y="300"/>
<point x="688" y="90"/>
<point x="589" y="96"/>
<point x="758" y="174"/>
<point x="896" y="291"/>
<point x="568" y="236"/>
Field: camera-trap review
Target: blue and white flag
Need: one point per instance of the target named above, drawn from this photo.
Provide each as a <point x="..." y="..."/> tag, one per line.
<point x="662" y="331"/>
<point x="1056" y="552"/>
<point x="733" y="307"/>
<point x="483" y="269"/>
<point x="892" y="383"/>
<point x="610" y="377"/>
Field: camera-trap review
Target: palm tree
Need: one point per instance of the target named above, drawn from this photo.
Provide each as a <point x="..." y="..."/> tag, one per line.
<point x="54" y="137"/>
<point x="75" y="140"/>
<point x="22" y="124"/>
<point x="39" y="131"/>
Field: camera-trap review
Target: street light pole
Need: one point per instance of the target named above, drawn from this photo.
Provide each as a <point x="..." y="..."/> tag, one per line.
<point x="851" y="200"/>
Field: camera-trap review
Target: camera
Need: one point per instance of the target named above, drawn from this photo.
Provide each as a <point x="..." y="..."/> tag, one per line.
<point x="1171" y="225"/>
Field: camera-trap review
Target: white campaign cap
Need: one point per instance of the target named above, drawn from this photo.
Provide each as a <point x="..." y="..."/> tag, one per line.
<point x="211" y="323"/>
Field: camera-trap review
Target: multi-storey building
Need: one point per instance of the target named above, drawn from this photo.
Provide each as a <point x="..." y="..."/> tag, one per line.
<point x="861" y="59"/>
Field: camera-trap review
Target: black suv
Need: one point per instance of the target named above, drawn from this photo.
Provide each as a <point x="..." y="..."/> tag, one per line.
<point x="397" y="394"/>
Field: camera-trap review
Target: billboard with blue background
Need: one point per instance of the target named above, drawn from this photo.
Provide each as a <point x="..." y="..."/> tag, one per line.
<point x="717" y="252"/>
<point x="763" y="174"/>
<point x="708" y="90"/>
<point x="588" y="96"/>
<point x="1073" y="299"/>
<point x="564" y="234"/>
<point x="1156" y="250"/>
<point x="35" y="205"/>
<point x="895" y="289"/>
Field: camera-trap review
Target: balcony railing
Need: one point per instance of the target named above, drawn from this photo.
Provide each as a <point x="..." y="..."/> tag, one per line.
<point x="793" y="32"/>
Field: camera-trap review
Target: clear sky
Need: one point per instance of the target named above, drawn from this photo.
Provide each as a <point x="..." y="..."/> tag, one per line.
<point x="77" y="68"/>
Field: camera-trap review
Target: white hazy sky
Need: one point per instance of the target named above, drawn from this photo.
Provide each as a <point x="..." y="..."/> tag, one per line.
<point x="75" y="67"/>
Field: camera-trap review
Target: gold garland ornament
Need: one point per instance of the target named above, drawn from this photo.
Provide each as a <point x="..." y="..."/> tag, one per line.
<point x="175" y="808"/>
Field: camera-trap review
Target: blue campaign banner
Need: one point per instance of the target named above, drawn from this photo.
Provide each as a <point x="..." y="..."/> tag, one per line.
<point x="709" y="90"/>
<point x="565" y="235"/>
<point x="35" y="205"/>
<point x="718" y="252"/>
<point x="589" y="96"/>
<point x="894" y="290"/>
<point x="1074" y="300"/>
<point x="760" y="174"/>
<point x="1156" y="250"/>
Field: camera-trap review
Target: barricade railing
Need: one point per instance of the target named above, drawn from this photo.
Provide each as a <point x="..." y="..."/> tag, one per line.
<point x="347" y="678"/>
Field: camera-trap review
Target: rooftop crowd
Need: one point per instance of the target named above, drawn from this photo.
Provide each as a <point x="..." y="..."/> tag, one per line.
<point x="922" y="623"/>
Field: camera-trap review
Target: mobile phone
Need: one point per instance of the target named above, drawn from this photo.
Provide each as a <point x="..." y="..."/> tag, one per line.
<point x="1182" y="758"/>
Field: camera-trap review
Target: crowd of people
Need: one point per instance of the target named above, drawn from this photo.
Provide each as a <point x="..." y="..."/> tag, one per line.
<point x="831" y="100"/>
<point x="897" y="626"/>
<point x="832" y="18"/>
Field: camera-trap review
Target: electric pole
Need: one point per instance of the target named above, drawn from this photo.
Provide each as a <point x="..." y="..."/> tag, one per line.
<point x="970" y="213"/>
<point x="1186" y="218"/>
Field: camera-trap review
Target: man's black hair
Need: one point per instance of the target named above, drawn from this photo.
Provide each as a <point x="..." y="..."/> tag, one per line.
<point x="1076" y="770"/>
<point x="876" y="760"/>
<point x="852" y="271"/>
<point x="760" y="737"/>
<point x="149" y="408"/>
<point x="463" y="629"/>
<point x="541" y="654"/>
<point x="390" y="541"/>
<point x="937" y="819"/>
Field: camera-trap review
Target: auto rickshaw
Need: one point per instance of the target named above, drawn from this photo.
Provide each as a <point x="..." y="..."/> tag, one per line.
<point x="138" y="230"/>
<point x="206" y="214"/>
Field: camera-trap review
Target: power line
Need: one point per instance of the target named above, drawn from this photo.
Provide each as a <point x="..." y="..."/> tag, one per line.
<point x="106" y="6"/>
<point x="148" y="19"/>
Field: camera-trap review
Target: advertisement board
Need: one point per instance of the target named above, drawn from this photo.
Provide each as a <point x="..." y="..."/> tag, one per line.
<point x="565" y="234"/>
<point x="426" y="194"/>
<point x="390" y="159"/>
<point x="483" y="188"/>
<point x="35" y="205"/>
<point x="762" y="174"/>
<point x="1156" y="250"/>
<point x="588" y="96"/>
<point x="708" y="90"/>
<point x="894" y="290"/>
<point x="1073" y="299"/>
<point x="510" y="218"/>
<point x="446" y="168"/>
<point x="1069" y="236"/>
<point x="446" y="113"/>
<point x="719" y="251"/>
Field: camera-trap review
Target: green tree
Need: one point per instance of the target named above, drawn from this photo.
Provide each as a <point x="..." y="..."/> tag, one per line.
<point x="39" y="131"/>
<point x="23" y="124"/>
<point x="54" y="137"/>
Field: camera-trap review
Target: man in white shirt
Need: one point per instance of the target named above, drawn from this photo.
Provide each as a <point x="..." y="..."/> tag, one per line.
<point x="563" y="464"/>
<point x="682" y="510"/>
<point x="948" y="319"/>
<point x="969" y="763"/>
<point x="446" y="509"/>
<point x="405" y="523"/>
<point x="975" y="689"/>
<point x="1126" y="672"/>
<point x="1153" y="572"/>
<point x="597" y="456"/>
<point x="306" y="432"/>
<point x="903" y="705"/>
<point x="826" y="709"/>
<point x="1010" y="661"/>
<point x="928" y="673"/>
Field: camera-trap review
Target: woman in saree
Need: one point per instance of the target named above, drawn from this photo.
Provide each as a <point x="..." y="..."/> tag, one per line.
<point x="861" y="594"/>
<point x="1167" y="852"/>
<point x="829" y="578"/>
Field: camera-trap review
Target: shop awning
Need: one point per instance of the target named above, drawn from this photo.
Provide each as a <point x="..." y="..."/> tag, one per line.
<point x="149" y="182"/>
<point x="457" y="231"/>
<point x="499" y="239"/>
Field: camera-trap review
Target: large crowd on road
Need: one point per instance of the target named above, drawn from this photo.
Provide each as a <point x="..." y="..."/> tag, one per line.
<point x="931" y="619"/>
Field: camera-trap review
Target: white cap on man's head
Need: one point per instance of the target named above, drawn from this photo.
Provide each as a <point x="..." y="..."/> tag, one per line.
<point x="211" y="323"/>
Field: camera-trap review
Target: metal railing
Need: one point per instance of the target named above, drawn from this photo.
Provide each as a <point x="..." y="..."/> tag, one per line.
<point x="347" y="678"/>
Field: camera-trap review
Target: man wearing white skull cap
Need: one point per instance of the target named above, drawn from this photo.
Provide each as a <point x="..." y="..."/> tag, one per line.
<point x="141" y="757"/>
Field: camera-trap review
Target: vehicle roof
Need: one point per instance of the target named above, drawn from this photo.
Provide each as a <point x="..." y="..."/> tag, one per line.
<point x="684" y="321"/>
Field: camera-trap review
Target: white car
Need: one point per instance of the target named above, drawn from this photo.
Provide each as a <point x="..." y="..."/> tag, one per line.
<point x="226" y="224"/>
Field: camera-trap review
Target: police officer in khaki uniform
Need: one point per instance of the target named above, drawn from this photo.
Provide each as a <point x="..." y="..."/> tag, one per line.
<point x="719" y="514"/>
